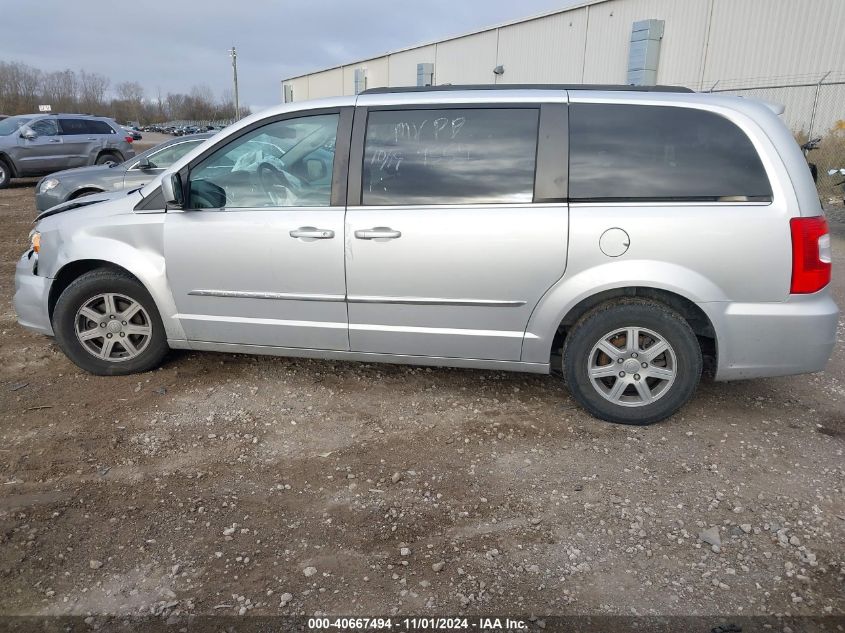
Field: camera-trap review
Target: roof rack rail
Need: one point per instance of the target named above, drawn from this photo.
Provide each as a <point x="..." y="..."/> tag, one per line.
<point x="447" y="87"/>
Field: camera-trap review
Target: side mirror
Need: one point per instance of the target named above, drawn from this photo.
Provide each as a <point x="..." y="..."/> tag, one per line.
<point x="171" y="189"/>
<point x="144" y="164"/>
<point x="28" y="134"/>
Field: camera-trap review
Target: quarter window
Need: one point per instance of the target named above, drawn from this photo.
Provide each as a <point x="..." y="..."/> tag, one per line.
<point x="450" y="156"/>
<point x="284" y="164"/>
<point x="638" y="152"/>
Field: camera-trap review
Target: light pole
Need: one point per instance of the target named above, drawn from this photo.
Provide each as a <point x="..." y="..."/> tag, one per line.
<point x="233" y="53"/>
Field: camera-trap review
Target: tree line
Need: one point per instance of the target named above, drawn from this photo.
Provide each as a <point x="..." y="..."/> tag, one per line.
<point x="23" y="88"/>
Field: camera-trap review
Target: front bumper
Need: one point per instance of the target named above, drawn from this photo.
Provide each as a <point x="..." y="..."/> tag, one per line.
<point x="32" y="294"/>
<point x="759" y="340"/>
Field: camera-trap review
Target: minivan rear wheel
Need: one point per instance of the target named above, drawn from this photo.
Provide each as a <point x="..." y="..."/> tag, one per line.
<point x="632" y="361"/>
<point x="107" y="323"/>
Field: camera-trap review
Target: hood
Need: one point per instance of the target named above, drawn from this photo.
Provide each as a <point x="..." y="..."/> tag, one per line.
<point x="87" y="201"/>
<point x="81" y="171"/>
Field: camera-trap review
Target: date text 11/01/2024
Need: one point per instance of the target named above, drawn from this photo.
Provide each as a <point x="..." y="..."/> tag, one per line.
<point x="417" y="624"/>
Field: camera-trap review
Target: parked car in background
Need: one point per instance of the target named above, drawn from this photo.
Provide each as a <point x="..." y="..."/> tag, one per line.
<point x="617" y="235"/>
<point x="135" y="134"/>
<point x="135" y="172"/>
<point x="39" y="144"/>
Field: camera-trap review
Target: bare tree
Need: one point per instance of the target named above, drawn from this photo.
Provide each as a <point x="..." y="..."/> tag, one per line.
<point x="18" y="87"/>
<point x="92" y="92"/>
<point x="59" y="90"/>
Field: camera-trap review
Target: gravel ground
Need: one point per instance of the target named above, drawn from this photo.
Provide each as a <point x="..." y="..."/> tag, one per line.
<point x="226" y="484"/>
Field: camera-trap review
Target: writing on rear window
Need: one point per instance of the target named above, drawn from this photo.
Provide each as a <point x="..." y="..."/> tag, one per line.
<point x="449" y="156"/>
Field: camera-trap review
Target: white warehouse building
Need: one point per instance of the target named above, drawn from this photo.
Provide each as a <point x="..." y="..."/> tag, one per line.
<point x="788" y="51"/>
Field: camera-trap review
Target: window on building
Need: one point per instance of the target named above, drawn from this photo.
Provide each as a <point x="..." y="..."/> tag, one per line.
<point x="450" y="156"/>
<point x="638" y="152"/>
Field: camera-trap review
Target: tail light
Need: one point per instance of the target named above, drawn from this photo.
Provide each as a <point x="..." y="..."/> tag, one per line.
<point x="810" y="255"/>
<point x="128" y="139"/>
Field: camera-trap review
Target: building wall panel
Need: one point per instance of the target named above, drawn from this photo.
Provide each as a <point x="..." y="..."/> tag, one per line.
<point x="466" y="60"/>
<point x="328" y="83"/>
<point x="377" y="74"/>
<point x="755" y="39"/>
<point x="546" y="50"/>
<point x="403" y="65"/>
<point x="300" y="88"/>
<point x="609" y="34"/>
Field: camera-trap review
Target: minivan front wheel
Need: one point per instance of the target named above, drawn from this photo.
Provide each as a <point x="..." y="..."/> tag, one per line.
<point x="107" y="323"/>
<point x="632" y="361"/>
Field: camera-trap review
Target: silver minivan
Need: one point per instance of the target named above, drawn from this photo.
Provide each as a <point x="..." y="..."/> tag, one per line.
<point x="618" y="236"/>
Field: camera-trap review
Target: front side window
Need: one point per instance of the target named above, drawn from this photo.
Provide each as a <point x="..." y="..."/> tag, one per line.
<point x="450" y="156"/>
<point x="639" y="152"/>
<point x="44" y="127"/>
<point x="169" y="155"/>
<point x="284" y="164"/>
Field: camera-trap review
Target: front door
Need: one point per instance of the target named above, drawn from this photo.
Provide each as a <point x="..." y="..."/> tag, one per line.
<point x="256" y="257"/>
<point x="450" y="248"/>
<point x="44" y="153"/>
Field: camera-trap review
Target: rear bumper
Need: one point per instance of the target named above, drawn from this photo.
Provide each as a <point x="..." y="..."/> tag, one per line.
<point x="32" y="293"/>
<point x="757" y="340"/>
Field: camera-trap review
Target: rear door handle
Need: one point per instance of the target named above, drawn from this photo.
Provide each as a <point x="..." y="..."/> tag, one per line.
<point x="378" y="233"/>
<point x="312" y="233"/>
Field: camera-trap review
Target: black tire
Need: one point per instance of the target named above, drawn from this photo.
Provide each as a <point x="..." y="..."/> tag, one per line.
<point x="5" y="174"/>
<point x="83" y="290"/>
<point x="578" y="355"/>
<point x="108" y="157"/>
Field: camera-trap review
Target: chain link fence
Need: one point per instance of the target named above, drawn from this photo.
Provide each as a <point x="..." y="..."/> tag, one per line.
<point x="815" y="108"/>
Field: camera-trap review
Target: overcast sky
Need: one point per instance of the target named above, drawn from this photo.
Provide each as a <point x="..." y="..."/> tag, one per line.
<point x="175" y="44"/>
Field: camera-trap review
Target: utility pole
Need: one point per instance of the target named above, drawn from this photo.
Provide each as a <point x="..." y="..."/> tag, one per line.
<point x="234" y="55"/>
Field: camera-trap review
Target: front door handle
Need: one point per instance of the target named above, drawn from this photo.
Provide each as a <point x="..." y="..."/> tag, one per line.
<point x="312" y="233"/>
<point x="378" y="233"/>
<point x="55" y="140"/>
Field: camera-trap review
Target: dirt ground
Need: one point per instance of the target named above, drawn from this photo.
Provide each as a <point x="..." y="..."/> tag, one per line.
<point x="226" y="484"/>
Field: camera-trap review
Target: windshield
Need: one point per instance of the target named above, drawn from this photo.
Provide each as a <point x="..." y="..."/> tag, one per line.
<point x="13" y="124"/>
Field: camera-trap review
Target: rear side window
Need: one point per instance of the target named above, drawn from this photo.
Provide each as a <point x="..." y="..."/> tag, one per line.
<point x="69" y="127"/>
<point x="99" y="127"/>
<point x="449" y="156"/>
<point x="652" y="153"/>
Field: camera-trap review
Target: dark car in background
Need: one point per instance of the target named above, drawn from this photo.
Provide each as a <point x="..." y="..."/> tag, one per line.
<point x="75" y="183"/>
<point x="39" y="144"/>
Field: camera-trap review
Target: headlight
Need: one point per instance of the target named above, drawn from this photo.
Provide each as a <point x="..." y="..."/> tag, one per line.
<point x="50" y="183"/>
<point x="35" y="240"/>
